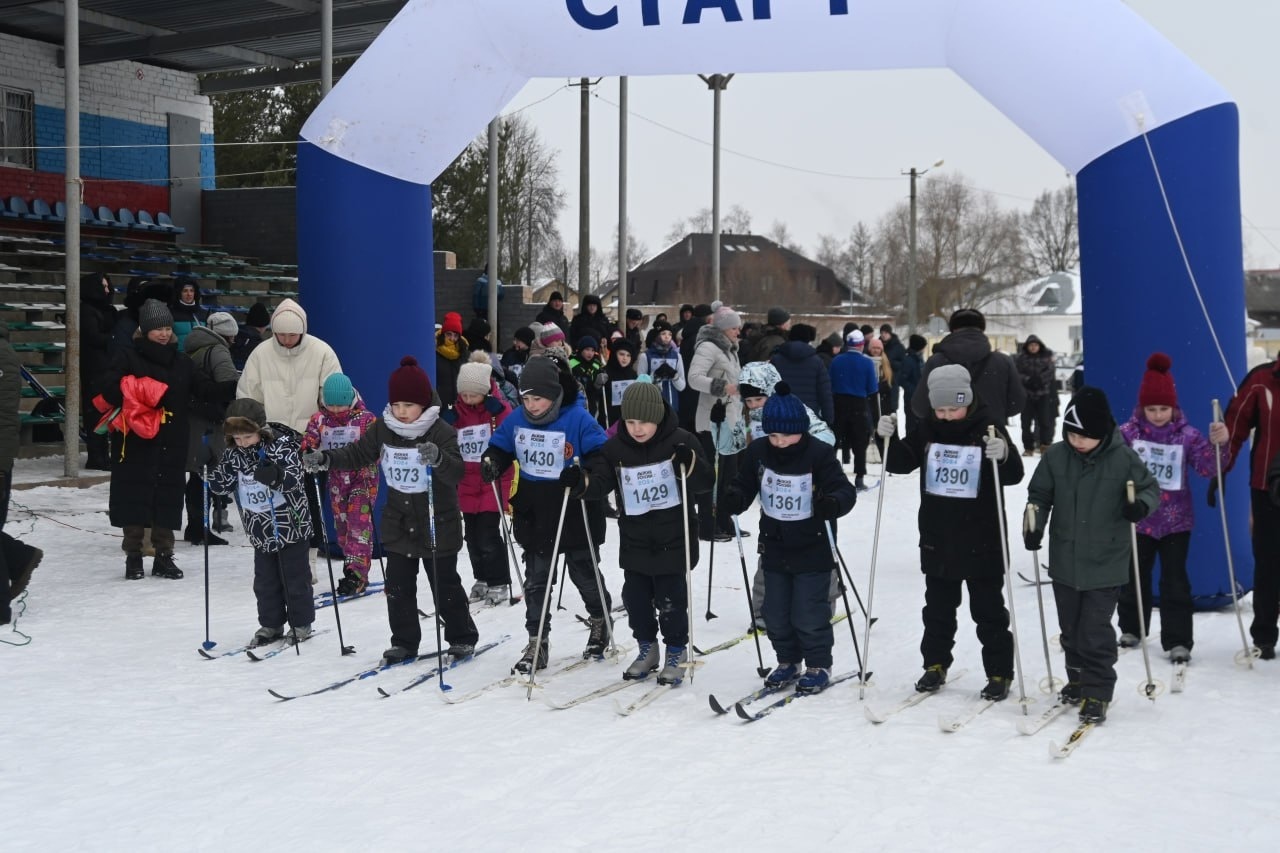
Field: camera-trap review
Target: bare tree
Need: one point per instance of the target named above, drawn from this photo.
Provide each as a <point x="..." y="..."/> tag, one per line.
<point x="780" y="234"/>
<point x="1051" y="233"/>
<point x="736" y="221"/>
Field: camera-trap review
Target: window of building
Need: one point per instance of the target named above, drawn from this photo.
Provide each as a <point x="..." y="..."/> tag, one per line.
<point x="17" y="128"/>
<point x="766" y="282"/>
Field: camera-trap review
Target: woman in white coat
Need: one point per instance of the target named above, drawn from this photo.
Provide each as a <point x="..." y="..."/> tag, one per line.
<point x="713" y="373"/>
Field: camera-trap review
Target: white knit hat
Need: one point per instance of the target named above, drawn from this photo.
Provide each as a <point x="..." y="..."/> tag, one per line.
<point x="473" y="377"/>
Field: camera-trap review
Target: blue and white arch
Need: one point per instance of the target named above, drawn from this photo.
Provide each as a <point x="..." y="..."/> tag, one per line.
<point x="1089" y="80"/>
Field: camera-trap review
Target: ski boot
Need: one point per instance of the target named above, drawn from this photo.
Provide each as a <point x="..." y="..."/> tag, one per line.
<point x="133" y="570"/>
<point x="352" y="583"/>
<point x="478" y="591"/>
<point x="500" y="594"/>
<point x="397" y="654"/>
<point x="1180" y="654"/>
<point x="997" y="689"/>
<point x="300" y="634"/>
<point x="934" y="677"/>
<point x="783" y="673"/>
<point x="598" y="638"/>
<point x="1093" y="711"/>
<point x="1071" y="693"/>
<point x="265" y="636"/>
<point x="1266" y="652"/>
<point x="221" y="521"/>
<point x="814" y="680"/>
<point x="647" y="660"/>
<point x="525" y="664"/>
<point x="859" y="483"/>
<point x="458" y="651"/>
<point x="1129" y="641"/>
<point x="672" y="672"/>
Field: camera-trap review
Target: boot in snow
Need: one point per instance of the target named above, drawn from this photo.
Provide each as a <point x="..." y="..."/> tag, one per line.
<point x="500" y="594"/>
<point x="997" y="689"/>
<point x="300" y="634"/>
<point x="221" y="521"/>
<point x="934" y="677"/>
<point x="478" y="591"/>
<point x="672" y="673"/>
<point x="525" y="664"/>
<point x="598" y="638"/>
<point x="133" y="570"/>
<point x="647" y="660"/>
<point x="814" y="680"/>
<point x="397" y="654"/>
<point x="1093" y="711"/>
<point x="163" y="566"/>
<point x="265" y="636"/>
<point x="783" y="673"/>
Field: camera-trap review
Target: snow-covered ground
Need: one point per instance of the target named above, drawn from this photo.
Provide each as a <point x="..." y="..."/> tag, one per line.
<point x="118" y="736"/>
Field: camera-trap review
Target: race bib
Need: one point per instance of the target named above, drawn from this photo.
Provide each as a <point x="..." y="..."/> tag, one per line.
<point x="540" y="453"/>
<point x="472" y="441"/>
<point x="1164" y="461"/>
<point x="403" y="471"/>
<point x="331" y="438"/>
<point x="619" y="387"/>
<point x="649" y="487"/>
<point x="953" y="470"/>
<point x="786" y="497"/>
<point x="255" y="497"/>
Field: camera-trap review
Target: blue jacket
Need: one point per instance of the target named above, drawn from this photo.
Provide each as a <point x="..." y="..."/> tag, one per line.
<point x="854" y="374"/>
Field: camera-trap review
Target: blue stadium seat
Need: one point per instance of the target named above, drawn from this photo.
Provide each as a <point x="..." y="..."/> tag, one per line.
<point x="60" y="211"/>
<point x="5" y="212"/>
<point x="105" y="214"/>
<point x="18" y="206"/>
<point x="166" y="224"/>
<point x="126" y="219"/>
<point x="40" y="208"/>
<point x="87" y="217"/>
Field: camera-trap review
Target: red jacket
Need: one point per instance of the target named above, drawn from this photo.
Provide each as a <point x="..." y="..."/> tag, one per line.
<point x="474" y="494"/>
<point x="1256" y="405"/>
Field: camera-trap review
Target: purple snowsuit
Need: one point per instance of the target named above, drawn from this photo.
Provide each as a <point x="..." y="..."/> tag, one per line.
<point x="352" y="494"/>
<point x="1174" y="514"/>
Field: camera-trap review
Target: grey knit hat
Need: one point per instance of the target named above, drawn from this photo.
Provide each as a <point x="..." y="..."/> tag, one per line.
<point x="222" y="323"/>
<point x="541" y="377"/>
<point x="949" y="385"/>
<point x="642" y="401"/>
<point x="153" y="315"/>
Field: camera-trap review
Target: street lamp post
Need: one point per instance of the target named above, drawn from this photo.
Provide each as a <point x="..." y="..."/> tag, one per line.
<point x="717" y="83"/>
<point x="913" y="286"/>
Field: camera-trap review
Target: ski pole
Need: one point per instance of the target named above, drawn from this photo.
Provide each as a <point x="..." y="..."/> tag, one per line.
<point x="848" y="575"/>
<point x="835" y="558"/>
<point x="871" y="580"/>
<point x="761" y="670"/>
<point x="689" y="663"/>
<point x="546" y="598"/>
<point x="1008" y="572"/>
<point x="611" y="651"/>
<point x="1150" y="688"/>
<point x="564" y="571"/>
<point x="506" y="534"/>
<point x="343" y="648"/>
<point x="377" y="546"/>
<point x="275" y="534"/>
<point x="715" y="522"/>
<point x="208" y="643"/>
<point x="1044" y="630"/>
<point x="1226" y="539"/>
<point x="436" y="592"/>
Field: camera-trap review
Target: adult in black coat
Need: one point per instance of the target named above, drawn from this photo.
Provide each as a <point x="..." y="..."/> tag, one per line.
<point x="800" y="367"/>
<point x="960" y="528"/>
<point x="97" y="322"/>
<point x="893" y="349"/>
<point x="590" y="321"/>
<point x="994" y="375"/>
<point x="1038" y="374"/>
<point x="148" y="475"/>
<point x="553" y="312"/>
<point x="17" y="559"/>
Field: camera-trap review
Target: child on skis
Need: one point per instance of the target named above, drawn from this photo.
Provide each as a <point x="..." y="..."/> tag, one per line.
<point x="479" y="412"/>
<point x="547" y="435"/>
<point x="587" y="368"/>
<point x="620" y="371"/>
<point x="801" y="488"/>
<point x="341" y="420"/>
<point x="961" y="532"/>
<point x="1170" y="447"/>
<point x="1082" y="480"/>
<point x="661" y="360"/>
<point x="260" y="467"/>
<point x="421" y="462"/>
<point x="644" y="464"/>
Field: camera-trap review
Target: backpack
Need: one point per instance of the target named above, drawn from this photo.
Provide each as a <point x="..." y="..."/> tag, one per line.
<point x="209" y="410"/>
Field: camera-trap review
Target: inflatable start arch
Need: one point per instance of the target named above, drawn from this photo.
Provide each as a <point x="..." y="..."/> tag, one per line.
<point x="1090" y="81"/>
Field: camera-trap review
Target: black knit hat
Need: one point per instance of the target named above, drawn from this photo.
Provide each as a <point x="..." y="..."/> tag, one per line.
<point x="541" y="377"/>
<point x="967" y="318"/>
<point x="702" y="309"/>
<point x="634" y="314"/>
<point x="525" y="335"/>
<point x="917" y="343"/>
<point x="777" y="316"/>
<point x="803" y="332"/>
<point x="258" y="316"/>
<point x="1088" y="414"/>
<point x="784" y="413"/>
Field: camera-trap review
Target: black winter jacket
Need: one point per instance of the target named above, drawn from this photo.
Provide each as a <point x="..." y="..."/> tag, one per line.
<point x="652" y="543"/>
<point x="148" y="475"/>
<point x="792" y="546"/>
<point x="799" y="366"/>
<point x="959" y="537"/>
<point x="10" y="399"/>
<point x="292" y="517"/>
<point x="994" y="375"/>
<point x="406" y="525"/>
<point x="97" y="322"/>
<point x="1036" y="372"/>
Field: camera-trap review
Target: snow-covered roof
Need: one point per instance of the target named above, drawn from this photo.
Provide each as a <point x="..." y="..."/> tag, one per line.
<point x="1056" y="293"/>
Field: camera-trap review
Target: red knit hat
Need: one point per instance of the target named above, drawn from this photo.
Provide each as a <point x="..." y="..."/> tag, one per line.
<point x="452" y="323"/>
<point x="1157" y="385"/>
<point x="409" y="384"/>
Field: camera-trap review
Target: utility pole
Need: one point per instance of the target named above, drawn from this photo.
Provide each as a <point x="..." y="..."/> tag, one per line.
<point x="584" y="191"/>
<point x="717" y="83"/>
<point x="913" y="286"/>
<point x="73" y="190"/>
<point x="493" y="230"/>
<point x="622" y="203"/>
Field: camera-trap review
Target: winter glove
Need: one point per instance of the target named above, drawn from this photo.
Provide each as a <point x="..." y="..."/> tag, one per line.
<point x="573" y="478"/>
<point x="315" y="461"/>
<point x="683" y="457"/>
<point x="665" y="371"/>
<point x="490" y="470"/>
<point x="429" y="454"/>
<point x="887" y="426"/>
<point x="449" y="416"/>
<point x="1032" y="528"/>
<point x="733" y="501"/>
<point x="602" y="379"/>
<point x="826" y="508"/>
<point x="493" y="405"/>
<point x="997" y="448"/>
<point x="1134" y="512"/>
<point x="718" y="412"/>
<point x="269" y="475"/>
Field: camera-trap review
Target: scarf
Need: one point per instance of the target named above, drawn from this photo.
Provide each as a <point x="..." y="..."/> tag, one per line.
<point x="414" y="430"/>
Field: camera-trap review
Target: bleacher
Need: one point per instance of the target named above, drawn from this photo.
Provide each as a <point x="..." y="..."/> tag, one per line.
<point x="122" y="244"/>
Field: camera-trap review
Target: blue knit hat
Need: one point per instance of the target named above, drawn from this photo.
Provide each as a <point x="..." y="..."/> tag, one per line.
<point x="784" y="413"/>
<point x="337" y="390"/>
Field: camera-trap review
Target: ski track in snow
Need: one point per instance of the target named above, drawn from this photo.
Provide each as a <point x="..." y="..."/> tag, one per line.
<point x="119" y="736"/>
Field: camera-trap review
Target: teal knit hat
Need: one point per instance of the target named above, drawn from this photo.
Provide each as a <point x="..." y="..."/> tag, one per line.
<point x="338" y="391"/>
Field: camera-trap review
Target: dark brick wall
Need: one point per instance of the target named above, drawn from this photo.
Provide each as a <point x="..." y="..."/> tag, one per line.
<point x="453" y="293"/>
<point x="258" y="223"/>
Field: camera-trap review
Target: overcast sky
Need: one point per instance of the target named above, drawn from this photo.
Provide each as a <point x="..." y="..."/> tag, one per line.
<point x="822" y="151"/>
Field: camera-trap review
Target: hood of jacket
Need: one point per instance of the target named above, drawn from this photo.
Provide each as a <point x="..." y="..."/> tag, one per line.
<point x="796" y="350"/>
<point x="201" y="337"/>
<point x="288" y="306"/>
<point x="1044" y="350"/>
<point x="716" y="336"/>
<point x="965" y="346"/>
<point x="760" y="374"/>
